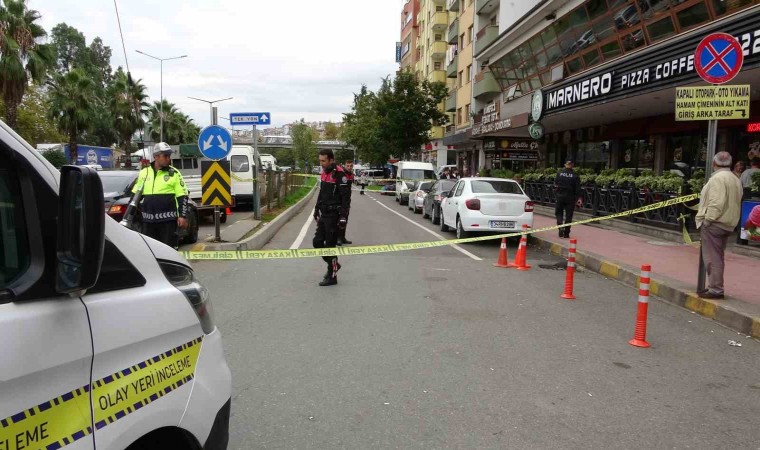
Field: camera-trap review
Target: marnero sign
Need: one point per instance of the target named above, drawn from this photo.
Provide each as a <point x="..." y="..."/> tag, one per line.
<point x="660" y="66"/>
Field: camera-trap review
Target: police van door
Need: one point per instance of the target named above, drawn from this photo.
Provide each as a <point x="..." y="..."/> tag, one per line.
<point x="46" y="345"/>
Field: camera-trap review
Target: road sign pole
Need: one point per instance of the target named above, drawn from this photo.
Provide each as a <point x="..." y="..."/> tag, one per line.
<point x="217" y="211"/>
<point x="256" y="197"/>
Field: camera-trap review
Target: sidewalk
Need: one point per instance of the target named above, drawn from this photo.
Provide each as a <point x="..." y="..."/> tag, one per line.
<point x="674" y="270"/>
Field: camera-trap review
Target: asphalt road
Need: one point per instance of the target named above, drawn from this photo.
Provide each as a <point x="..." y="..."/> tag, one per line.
<point x="436" y="348"/>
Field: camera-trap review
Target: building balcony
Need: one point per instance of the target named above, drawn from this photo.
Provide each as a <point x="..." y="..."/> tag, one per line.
<point x="452" y="68"/>
<point x="440" y="21"/>
<point x="486" y="6"/>
<point x="438" y="76"/>
<point x="453" y="32"/>
<point x="451" y="101"/>
<point x="438" y="50"/>
<point x="485" y="84"/>
<point x="453" y="5"/>
<point x="486" y="37"/>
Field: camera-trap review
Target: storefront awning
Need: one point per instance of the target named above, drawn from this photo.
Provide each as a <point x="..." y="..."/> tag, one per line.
<point x="189" y="151"/>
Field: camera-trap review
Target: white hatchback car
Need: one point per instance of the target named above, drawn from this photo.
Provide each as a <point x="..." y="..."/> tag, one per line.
<point x="417" y="195"/>
<point x="486" y="204"/>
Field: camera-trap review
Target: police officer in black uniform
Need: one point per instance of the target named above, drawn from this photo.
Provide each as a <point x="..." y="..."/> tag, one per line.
<point x="348" y="168"/>
<point x="568" y="188"/>
<point x="165" y="200"/>
<point x="331" y="211"/>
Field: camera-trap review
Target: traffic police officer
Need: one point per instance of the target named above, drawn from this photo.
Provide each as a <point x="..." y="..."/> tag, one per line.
<point x="165" y="201"/>
<point x="569" y="193"/>
<point x="331" y="211"/>
<point x="348" y="168"/>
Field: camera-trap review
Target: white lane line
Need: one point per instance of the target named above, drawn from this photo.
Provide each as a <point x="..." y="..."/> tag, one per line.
<point x="299" y="239"/>
<point x="460" y="249"/>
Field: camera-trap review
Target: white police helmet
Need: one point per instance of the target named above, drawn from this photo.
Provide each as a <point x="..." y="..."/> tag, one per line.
<point x="162" y="148"/>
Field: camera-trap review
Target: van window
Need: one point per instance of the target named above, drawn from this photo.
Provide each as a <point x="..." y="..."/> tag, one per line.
<point x="14" y="249"/>
<point x="418" y="174"/>
<point x="239" y="163"/>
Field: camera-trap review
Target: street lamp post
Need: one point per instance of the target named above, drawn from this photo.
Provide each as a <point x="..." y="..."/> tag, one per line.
<point x="161" y="60"/>
<point x="211" y="105"/>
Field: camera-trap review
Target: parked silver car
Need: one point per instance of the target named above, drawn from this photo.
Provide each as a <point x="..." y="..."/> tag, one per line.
<point x="417" y="195"/>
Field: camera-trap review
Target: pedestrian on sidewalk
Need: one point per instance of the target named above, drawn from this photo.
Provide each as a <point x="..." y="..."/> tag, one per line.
<point x="363" y="180"/>
<point x="567" y="186"/>
<point x="719" y="212"/>
<point x="348" y="168"/>
<point x="746" y="177"/>
<point x="330" y="211"/>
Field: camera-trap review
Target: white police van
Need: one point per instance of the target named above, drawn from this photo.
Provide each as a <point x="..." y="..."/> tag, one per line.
<point x="107" y="338"/>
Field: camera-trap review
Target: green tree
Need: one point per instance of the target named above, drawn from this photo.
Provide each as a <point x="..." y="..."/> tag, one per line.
<point x="128" y="104"/>
<point x="178" y="127"/>
<point x="99" y="63"/>
<point x="34" y="125"/>
<point x="304" y="148"/>
<point x="55" y="157"/>
<point x="332" y="131"/>
<point x="22" y="57"/>
<point x="361" y="128"/>
<point x="70" y="48"/>
<point x="72" y="105"/>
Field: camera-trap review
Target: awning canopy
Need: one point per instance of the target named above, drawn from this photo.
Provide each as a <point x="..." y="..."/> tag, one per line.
<point x="189" y="151"/>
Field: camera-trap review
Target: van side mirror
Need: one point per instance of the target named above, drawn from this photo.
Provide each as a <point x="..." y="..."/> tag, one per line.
<point x="81" y="229"/>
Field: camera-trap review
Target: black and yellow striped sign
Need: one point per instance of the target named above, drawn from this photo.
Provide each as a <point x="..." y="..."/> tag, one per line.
<point x="215" y="178"/>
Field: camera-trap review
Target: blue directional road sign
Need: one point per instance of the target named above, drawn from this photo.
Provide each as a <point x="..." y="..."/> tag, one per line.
<point x="215" y="142"/>
<point x="251" y="118"/>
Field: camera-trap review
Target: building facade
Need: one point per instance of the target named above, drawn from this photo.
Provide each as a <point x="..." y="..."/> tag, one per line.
<point x="595" y="81"/>
<point x="410" y="54"/>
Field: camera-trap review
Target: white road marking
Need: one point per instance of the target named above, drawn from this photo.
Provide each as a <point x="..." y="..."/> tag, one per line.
<point x="299" y="239"/>
<point x="460" y="249"/>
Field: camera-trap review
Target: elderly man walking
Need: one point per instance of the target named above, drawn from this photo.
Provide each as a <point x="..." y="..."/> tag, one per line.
<point x="719" y="212"/>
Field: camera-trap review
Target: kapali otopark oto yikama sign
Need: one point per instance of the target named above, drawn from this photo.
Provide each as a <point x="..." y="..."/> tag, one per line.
<point x="490" y="122"/>
<point x="654" y="68"/>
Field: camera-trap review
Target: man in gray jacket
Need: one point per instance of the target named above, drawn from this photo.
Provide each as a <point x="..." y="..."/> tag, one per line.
<point x="719" y="212"/>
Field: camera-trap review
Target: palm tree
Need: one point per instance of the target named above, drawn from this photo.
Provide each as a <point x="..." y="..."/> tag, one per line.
<point x="190" y="130"/>
<point x="127" y="102"/>
<point x="154" y="121"/>
<point x="21" y="56"/>
<point x="72" y="105"/>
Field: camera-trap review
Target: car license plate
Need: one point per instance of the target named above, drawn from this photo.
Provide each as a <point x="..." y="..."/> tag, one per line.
<point x="502" y="224"/>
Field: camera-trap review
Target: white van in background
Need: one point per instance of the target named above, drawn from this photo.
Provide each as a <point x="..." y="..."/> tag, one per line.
<point x="108" y="337"/>
<point x="407" y="173"/>
<point x="241" y="172"/>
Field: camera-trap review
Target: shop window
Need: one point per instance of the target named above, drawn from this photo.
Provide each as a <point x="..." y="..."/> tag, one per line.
<point x="661" y="29"/>
<point x="591" y="58"/>
<point x="525" y="87"/>
<point x="514" y="57"/>
<point x="633" y="40"/>
<point x="596" y="8"/>
<point x="574" y="65"/>
<point x="693" y="16"/>
<point x="565" y="36"/>
<point x="627" y="17"/>
<point x="615" y="3"/>
<point x="535" y="83"/>
<point x="604" y="28"/>
<point x="655" y="8"/>
<point x="535" y="44"/>
<point x="541" y="61"/>
<point x="546" y="77"/>
<point x="722" y="7"/>
<point x="529" y="67"/>
<point x="553" y="53"/>
<point x="611" y="49"/>
<point x="593" y="155"/>
<point x="548" y="36"/>
<point x="690" y="149"/>
<point x="579" y="20"/>
<point x="637" y="154"/>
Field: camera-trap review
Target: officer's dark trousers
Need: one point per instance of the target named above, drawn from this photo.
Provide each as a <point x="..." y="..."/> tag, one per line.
<point x="564" y="211"/>
<point x="327" y="237"/>
<point x="165" y="232"/>
<point x="342" y="233"/>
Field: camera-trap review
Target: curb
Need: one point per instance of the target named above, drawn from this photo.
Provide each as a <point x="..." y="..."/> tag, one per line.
<point x="265" y="233"/>
<point x="734" y="314"/>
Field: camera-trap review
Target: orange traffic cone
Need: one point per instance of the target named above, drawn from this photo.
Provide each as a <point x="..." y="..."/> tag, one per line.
<point x="522" y="252"/>
<point x="640" y="332"/>
<point x="503" y="260"/>
<point x="568" y="294"/>
<point x="228" y="211"/>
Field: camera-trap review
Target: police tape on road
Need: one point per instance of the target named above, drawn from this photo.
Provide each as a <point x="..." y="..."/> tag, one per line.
<point x="65" y="419"/>
<point x="388" y="248"/>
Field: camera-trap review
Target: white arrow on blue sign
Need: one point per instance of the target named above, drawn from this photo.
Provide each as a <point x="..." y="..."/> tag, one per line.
<point x="215" y="142"/>
<point x="251" y="118"/>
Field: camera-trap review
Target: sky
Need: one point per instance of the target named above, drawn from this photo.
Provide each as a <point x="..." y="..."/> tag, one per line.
<point x="293" y="58"/>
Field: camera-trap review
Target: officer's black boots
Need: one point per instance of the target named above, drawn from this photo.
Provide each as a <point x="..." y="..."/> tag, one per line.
<point x="346" y="241"/>
<point x="331" y="277"/>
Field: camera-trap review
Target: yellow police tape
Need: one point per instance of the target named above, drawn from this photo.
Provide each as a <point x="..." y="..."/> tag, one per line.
<point x="65" y="419"/>
<point x="386" y="248"/>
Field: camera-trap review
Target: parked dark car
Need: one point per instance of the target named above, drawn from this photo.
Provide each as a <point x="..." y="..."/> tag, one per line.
<point x="431" y="206"/>
<point x="117" y="190"/>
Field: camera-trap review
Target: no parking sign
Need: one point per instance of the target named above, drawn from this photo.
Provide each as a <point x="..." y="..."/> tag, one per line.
<point x="718" y="58"/>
